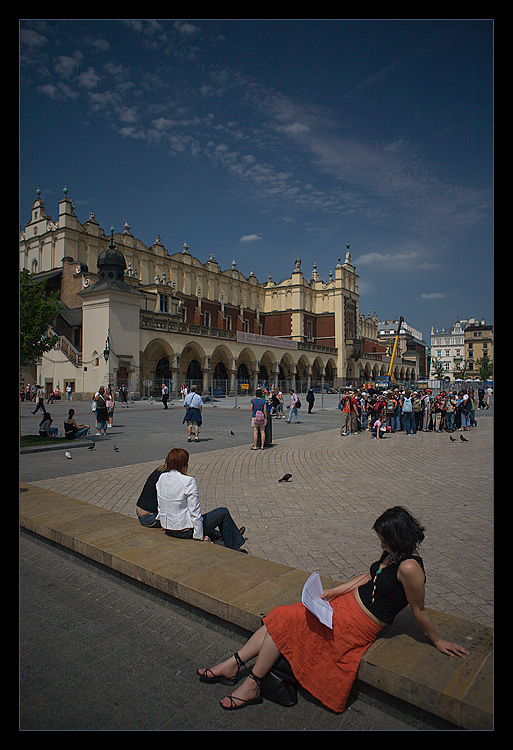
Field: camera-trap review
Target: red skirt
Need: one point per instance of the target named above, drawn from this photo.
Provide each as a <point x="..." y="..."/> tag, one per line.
<point x="325" y="662"/>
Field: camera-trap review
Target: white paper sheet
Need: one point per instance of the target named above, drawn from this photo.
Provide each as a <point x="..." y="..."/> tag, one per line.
<point x="311" y="598"/>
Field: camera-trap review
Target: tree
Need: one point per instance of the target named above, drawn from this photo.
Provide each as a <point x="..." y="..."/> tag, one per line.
<point x="484" y="367"/>
<point x="38" y="310"/>
<point x="461" y="369"/>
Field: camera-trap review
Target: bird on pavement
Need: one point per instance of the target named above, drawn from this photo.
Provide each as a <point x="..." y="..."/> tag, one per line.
<point x="285" y="478"/>
<point x="452" y="439"/>
<point x="67" y="454"/>
<point x="91" y="447"/>
<point x="463" y="439"/>
<point x="116" y="448"/>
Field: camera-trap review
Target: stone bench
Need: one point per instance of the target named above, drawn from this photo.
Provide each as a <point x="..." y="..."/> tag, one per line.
<point x="240" y="589"/>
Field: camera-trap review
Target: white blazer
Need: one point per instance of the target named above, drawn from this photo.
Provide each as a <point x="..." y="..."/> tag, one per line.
<point x="178" y="503"/>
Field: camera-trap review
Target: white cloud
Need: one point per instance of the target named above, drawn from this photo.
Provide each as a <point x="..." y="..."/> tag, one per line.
<point x="89" y="79"/>
<point x="250" y="237"/>
<point x="386" y="258"/>
<point x="434" y="295"/>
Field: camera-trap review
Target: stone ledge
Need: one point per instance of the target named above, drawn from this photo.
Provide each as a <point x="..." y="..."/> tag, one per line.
<point x="240" y="589"/>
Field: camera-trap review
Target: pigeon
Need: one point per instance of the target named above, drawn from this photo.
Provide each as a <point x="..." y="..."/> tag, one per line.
<point x="463" y="439"/>
<point x="453" y="440"/>
<point x="285" y="478"/>
<point x="67" y="454"/>
<point x="91" y="447"/>
<point x="232" y="432"/>
<point x="116" y="448"/>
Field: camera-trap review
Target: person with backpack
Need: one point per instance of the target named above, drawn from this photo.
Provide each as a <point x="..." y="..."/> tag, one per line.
<point x="390" y="409"/>
<point x="258" y="418"/>
<point x="349" y="408"/>
<point x="407" y="409"/>
<point x="295" y="404"/>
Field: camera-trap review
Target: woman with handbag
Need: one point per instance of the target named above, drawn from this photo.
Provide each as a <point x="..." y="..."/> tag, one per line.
<point x="102" y="414"/>
<point x="325" y="661"/>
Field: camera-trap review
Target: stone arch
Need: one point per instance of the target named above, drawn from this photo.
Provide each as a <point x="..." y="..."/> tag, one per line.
<point x="156" y="364"/>
<point x="286" y="372"/>
<point x="330" y="373"/>
<point x="221" y="364"/>
<point x="267" y="368"/>
<point x="193" y="363"/>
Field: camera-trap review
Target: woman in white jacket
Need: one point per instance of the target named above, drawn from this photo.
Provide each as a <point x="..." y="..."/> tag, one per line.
<point x="179" y="510"/>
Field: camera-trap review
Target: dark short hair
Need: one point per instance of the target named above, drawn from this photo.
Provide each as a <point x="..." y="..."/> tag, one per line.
<point x="258" y="392"/>
<point x="178" y="460"/>
<point x="400" y="531"/>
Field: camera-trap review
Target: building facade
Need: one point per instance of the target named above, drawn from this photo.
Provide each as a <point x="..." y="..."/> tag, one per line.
<point x="138" y="315"/>
<point x="458" y="348"/>
<point x="478" y="344"/>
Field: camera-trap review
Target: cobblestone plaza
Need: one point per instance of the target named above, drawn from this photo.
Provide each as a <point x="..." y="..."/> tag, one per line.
<point x="322" y="518"/>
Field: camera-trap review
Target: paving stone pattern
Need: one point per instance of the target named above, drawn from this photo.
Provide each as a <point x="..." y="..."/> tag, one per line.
<point x="320" y="520"/>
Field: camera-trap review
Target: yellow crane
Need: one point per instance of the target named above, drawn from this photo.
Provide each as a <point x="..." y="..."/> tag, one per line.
<point x="389" y="374"/>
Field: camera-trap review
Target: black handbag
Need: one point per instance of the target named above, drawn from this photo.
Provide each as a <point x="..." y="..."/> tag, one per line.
<point x="279" y="685"/>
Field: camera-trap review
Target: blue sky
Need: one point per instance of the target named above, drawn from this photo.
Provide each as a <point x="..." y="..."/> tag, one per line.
<point x="267" y="140"/>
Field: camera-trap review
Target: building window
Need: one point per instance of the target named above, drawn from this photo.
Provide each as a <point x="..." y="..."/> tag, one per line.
<point x="207" y="319"/>
<point x="246" y="325"/>
<point x="164" y="303"/>
<point x="309" y="330"/>
<point x="229" y="323"/>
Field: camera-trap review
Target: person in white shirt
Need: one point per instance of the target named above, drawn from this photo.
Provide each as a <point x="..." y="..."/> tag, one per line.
<point x="193" y="404"/>
<point x="179" y="510"/>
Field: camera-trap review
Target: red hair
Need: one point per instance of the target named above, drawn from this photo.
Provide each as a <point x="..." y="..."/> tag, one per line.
<point x="177" y="459"/>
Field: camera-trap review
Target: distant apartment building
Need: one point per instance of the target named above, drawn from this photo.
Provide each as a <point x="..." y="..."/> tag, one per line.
<point x="458" y="348"/>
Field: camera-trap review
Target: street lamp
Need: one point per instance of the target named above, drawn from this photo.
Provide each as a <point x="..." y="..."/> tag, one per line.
<point x="106" y="351"/>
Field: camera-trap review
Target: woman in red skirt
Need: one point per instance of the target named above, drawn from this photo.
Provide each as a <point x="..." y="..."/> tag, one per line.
<point x="325" y="661"/>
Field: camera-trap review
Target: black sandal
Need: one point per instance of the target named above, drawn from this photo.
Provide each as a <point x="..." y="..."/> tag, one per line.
<point x="212" y="678"/>
<point x="242" y="704"/>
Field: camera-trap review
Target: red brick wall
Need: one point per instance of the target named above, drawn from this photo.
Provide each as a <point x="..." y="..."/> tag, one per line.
<point x="325" y="330"/>
<point x="277" y="324"/>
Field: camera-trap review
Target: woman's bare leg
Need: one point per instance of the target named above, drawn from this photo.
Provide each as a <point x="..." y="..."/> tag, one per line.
<point x="267" y="655"/>
<point x="250" y="649"/>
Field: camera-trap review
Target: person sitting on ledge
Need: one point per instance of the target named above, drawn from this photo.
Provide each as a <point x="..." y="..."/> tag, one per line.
<point x="170" y="500"/>
<point x="73" y="430"/>
<point x="325" y="661"/>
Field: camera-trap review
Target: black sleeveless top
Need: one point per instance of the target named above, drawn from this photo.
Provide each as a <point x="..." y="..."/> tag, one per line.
<point x="389" y="598"/>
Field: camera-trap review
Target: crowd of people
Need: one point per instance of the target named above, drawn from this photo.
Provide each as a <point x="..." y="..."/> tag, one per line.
<point x="411" y="411"/>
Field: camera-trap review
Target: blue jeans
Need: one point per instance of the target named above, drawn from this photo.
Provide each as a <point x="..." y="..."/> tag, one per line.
<point x="292" y="411"/>
<point x="391" y="422"/>
<point x="219" y="518"/>
<point x="149" y="521"/>
<point x="409" y="422"/>
<point x="450" y="421"/>
<point x="465" y="420"/>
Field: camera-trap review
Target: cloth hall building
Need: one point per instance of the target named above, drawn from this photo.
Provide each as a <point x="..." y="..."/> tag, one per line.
<point x="140" y="316"/>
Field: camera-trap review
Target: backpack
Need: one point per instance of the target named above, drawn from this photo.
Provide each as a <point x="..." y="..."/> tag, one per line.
<point x="417" y="404"/>
<point x="391" y="405"/>
<point x="298" y="404"/>
<point x="259" y="414"/>
<point x="407" y="405"/>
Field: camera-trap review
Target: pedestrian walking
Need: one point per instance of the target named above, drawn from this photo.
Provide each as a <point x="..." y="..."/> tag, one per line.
<point x="295" y="404"/>
<point x="193" y="404"/>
